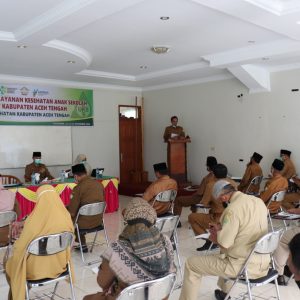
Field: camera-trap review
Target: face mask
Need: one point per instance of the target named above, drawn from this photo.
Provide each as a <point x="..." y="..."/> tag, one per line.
<point x="37" y="161"/>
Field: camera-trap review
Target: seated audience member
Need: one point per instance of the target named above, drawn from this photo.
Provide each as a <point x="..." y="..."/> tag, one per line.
<point x="289" y="169"/>
<point x="200" y="221"/>
<point x="162" y="183"/>
<point x="186" y="201"/>
<point x="294" y="257"/>
<point x="253" y="169"/>
<point x="282" y="252"/>
<point x="292" y="199"/>
<point x="141" y="253"/>
<point x="37" y="167"/>
<point x="7" y="203"/>
<point x="242" y="224"/>
<point x="173" y="131"/>
<point x="49" y="216"/>
<point x="276" y="184"/>
<point x="87" y="191"/>
<point x="81" y="159"/>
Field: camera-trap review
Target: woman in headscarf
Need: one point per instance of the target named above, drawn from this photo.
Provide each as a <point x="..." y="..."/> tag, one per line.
<point x="81" y="159"/>
<point x="49" y="216"/>
<point x="140" y="254"/>
<point x="7" y="203"/>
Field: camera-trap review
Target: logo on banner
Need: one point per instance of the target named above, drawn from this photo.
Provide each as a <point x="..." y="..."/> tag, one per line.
<point x="37" y="92"/>
<point x="2" y="90"/>
<point x="24" y="91"/>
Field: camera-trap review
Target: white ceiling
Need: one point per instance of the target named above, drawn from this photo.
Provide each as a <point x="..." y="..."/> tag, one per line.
<point x="110" y="39"/>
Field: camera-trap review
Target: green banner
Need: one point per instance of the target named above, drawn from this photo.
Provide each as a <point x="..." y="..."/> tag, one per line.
<point x="34" y="105"/>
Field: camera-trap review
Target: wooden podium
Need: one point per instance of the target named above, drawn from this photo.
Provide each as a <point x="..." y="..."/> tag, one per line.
<point x="177" y="160"/>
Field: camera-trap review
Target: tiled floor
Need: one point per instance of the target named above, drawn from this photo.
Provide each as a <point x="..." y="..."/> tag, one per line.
<point x="85" y="278"/>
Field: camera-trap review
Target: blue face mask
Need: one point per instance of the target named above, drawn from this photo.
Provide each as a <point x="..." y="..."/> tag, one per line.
<point x="37" y="161"/>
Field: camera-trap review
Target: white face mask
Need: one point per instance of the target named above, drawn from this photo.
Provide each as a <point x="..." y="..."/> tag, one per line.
<point x="37" y="161"/>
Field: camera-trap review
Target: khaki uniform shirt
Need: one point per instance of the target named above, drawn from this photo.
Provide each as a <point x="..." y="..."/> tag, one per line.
<point x="252" y="171"/>
<point x="176" y="130"/>
<point x="274" y="185"/>
<point x="33" y="168"/>
<point x="163" y="183"/>
<point x="204" y="182"/>
<point x="289" y="169"/>
<point x="87" y="191"/>
<point x="244" y="222"/>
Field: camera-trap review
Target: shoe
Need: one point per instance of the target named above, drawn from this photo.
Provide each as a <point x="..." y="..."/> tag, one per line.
<point x="280" y="280"/>
<point x="220" y="295"/>
<point x="298" y="283"/>
<point x="84" y="248"/>
<point x="205" y="246"/>
<point x="179" y="225"/>
<point x="193" y="208"/>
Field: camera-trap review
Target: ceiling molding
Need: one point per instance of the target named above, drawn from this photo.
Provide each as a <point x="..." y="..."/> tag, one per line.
<point x="171" y="71"/>
<point x="150" y="75"/>
<point x="70" y="48"/>
<point x="7" y="36"/>
<point x="4" y="78"/>
<point x="255" y="78"/>
<point x="101" y="74"/>
<point x="59" y="12"/>
<point x="245" y="54"/>
<point x="189" y="82"/>
<point x="277" y="7"/>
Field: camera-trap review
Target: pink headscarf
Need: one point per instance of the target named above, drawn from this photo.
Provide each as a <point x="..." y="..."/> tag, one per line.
<point x="7" y="198"/>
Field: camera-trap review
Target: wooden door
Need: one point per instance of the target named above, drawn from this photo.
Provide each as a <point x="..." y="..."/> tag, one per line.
<point x="130" y="141"/>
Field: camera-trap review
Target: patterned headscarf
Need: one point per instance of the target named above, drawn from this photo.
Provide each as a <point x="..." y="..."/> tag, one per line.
<point x="139" y="209"/>
<point x="142" y="253"/>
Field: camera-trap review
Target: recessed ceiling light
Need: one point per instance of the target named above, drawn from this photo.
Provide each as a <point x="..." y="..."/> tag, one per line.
<point x="71" y="61"/>
<point x="160" y="49"/>
<point x="251" y="42"/>
<point x="143" y="67"/>
<point x="164" y="18"/>
<point x="22" y="46"/>
<point x="265" y="58"/>
<point x="298" y="22"/>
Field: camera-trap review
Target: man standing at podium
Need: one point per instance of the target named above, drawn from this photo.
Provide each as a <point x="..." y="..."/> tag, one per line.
<point x="173" y="131"/>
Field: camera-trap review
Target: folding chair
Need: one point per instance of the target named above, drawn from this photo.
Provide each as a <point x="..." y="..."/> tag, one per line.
<point x="6" y="219"/>
<point x="168" y="226"/>
<point x="91" y="210"/>
<point x="166" y="196"/>
<point x="266" y="245"/>
<point x="276" y="197"/>
<point x="200" y="208"/>
<point x="255" y="181"/>
<point x="157" y="289"/>
<point x="46" y="246"/>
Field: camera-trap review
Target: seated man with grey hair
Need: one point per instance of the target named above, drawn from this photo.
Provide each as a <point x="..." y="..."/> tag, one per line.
<point x="242" y="224"/>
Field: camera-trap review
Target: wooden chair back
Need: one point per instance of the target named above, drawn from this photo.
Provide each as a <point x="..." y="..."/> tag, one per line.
<point x="10" y="179"/>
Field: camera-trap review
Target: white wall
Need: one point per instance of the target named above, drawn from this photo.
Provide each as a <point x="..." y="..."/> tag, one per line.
<point x="222" y="125"/>
<point x="99" y="142"/>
